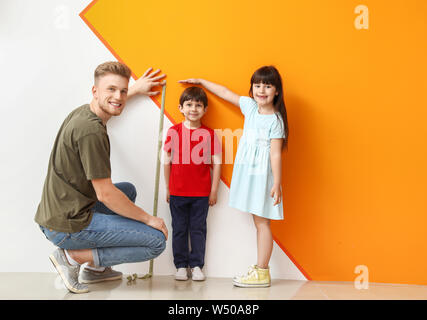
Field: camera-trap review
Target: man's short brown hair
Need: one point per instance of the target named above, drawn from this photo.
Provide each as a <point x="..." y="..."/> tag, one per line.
<point x="195" y="94"/>
<point x="113" y="67"/>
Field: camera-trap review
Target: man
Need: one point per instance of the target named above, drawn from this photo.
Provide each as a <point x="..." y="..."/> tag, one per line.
<point x="81" y="211"/>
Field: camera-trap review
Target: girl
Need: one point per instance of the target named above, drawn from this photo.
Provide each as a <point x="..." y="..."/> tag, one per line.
<point x="256" y="181"/>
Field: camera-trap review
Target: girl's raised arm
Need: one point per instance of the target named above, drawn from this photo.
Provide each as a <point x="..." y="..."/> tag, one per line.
<point x="217" y="89"/>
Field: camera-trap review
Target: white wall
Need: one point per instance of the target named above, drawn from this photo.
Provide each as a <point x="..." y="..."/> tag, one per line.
<point x="47" y="59"/>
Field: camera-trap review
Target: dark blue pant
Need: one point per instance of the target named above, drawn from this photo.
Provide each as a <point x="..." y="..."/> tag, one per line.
<point x="189" y="217"/>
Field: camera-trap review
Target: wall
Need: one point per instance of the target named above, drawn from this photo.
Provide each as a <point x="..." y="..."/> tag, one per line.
<point x="354" y="76"/>
<point x="48" y="55"/>
<point x="354" y="173"/>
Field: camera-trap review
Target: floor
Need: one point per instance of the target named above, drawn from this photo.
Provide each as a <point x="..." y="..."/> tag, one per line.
<point x="41" y="286"/>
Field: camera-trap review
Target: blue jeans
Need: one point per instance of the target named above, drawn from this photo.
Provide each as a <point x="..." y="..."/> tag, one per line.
<point x="113" y="239"/>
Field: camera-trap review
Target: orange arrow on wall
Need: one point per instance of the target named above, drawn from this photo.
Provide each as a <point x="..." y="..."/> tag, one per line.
<point x="347" y="90"/>
<point x="183" y="42"/>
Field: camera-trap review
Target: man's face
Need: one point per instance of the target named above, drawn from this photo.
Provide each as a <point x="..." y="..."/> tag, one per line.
<point x="110" y="92"/>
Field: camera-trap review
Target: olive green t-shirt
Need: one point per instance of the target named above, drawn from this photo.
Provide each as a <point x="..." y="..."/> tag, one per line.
<point x="81" y="152"/>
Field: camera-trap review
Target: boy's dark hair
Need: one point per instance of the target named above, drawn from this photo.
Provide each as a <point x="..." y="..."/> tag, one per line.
<point x="194" y="93"/>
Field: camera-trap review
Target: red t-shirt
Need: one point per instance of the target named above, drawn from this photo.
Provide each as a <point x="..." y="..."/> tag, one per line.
<point x="191" y="157"/>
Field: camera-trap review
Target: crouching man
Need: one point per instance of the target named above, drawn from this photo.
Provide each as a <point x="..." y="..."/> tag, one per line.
<point x="81" y="211"/>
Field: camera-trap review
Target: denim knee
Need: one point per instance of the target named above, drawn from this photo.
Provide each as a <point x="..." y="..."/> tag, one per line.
<point x="159" y="247"/>
<point x="132" y="191"/>
<point x="128" y="189"/>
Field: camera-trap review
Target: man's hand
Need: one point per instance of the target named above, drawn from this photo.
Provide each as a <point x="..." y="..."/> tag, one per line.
<point x="118" y="202"/>
<point x="159" y="224"/>
<point x="146" y="82"/>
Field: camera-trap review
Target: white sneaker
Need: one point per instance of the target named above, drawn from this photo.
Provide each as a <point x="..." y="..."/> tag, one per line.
<point x="181" y="274"/>
<point x="197" y="274"/>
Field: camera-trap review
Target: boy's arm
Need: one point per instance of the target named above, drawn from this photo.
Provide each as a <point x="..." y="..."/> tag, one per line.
<point x="216" y="176"/>
<point x="217" y="89"/>
<point x="167" y="171"/>
<point x="276" y="167"/>
<point x="145" y="83"/>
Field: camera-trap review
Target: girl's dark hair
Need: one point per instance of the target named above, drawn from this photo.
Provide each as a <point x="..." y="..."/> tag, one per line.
<point x="270" y="75"/>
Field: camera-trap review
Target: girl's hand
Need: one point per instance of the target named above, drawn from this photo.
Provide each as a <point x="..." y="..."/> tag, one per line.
<point x="216" y="89"/>
<point x="276" y="193"/>
<point x="212" y="198"/>
<point x="192" y="81"/>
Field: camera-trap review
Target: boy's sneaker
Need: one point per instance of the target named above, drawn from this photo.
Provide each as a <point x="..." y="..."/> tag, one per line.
<point x="255" y="278"/>
<point x="197" y="274"/>
<point x="92" y="276"/>
<point x="68" y="273"/>
<point x="181" y="274"/>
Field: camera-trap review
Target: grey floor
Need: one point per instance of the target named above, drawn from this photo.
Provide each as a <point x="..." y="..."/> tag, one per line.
<point x="40" y="286"/>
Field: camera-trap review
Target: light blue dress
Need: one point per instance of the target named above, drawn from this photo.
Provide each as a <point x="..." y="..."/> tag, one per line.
<point x="252" y="177"/>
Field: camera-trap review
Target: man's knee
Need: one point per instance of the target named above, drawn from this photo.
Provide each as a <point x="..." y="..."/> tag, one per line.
<point x="128" y="189"/>
<point x="160" y="246"/>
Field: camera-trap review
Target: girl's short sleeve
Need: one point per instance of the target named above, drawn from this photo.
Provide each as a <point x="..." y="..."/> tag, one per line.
<point x="247" y="105"/>
<point x="277" y="130"/>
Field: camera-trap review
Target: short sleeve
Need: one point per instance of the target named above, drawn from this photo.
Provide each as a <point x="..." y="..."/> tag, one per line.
<point x="171" y="141"/>
<point x="247" y="105"/>
<point x="94" y="150"/>
<point x="167" y="145"/>
<point x="277" y="130"/>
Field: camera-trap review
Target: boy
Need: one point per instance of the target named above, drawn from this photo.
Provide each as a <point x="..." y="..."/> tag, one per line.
<point x="190" y="148"/>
